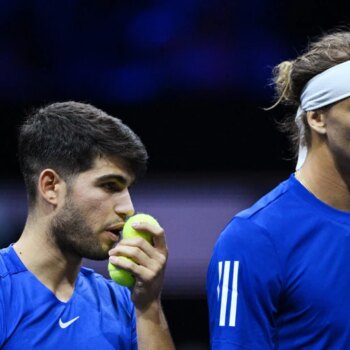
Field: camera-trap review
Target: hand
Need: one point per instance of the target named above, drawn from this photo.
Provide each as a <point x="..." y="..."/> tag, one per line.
<point x="147" y="264"/>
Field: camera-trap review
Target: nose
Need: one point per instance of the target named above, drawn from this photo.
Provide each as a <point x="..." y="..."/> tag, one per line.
<point x="124" y="206"/>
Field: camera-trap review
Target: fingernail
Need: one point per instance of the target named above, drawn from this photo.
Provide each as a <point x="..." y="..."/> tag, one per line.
<point x="113" y="259"/>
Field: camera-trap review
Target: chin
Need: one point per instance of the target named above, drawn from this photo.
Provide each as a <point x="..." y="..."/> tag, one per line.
<point x="95" y="252"/>
<point x="93" y="249"/>
<point x="96" y="255"/>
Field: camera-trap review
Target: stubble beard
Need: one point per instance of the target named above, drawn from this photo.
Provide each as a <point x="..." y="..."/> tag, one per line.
<point x="71" y="234"/>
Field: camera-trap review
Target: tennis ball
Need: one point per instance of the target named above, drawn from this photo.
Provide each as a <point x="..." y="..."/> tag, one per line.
<point x="118" y="275"/>
<point x="122" y="277"/>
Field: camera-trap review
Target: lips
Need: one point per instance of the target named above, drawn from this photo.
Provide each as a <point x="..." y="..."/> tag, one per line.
<point x="114" y="232"/>
<point x="113" y="236"/>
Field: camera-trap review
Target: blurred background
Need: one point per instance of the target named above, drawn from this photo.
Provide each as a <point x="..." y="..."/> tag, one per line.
<point x="191" y="77"/>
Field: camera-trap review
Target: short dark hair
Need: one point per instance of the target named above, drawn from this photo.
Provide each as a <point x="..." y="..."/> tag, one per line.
<point x="69" y="136"/>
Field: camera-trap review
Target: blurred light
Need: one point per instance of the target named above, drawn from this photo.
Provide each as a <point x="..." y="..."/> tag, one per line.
<point x="202" y="67"/>
<point x="152" y="28"/>
<point x="134" y="83"/>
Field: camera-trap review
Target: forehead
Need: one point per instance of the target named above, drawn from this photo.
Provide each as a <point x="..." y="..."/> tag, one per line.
<point x="108" y="168"/>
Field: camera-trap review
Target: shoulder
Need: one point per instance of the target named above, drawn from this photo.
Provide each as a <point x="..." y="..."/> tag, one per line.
<point x="268" y="217"/>
<point x="268" y="203"/>
<point x="245" y="243"/>
<point x="3" y="273"/>
<point x="6" y="271"/>
<point x="4" y="268"/>
<point x="253" y="234"/>
<point x="10" y="264"/>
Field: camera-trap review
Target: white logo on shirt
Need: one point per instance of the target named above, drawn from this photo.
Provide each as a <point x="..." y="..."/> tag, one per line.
<point x="64" y="325"/>
<point x="225" y="289"/>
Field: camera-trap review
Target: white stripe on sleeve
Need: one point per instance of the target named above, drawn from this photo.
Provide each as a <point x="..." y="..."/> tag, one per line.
<point x="220" y="273"/>
<point x="225" y="290"/>
<point x="234" y="295"/>
<point x="224" y="293"/>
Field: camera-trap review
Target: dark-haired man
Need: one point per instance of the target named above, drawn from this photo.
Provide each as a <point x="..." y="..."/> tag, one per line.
<point x="78" y="163"/>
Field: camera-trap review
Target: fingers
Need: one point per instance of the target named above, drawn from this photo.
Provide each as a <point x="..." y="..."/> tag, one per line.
<point x="144" y="273"/>
<point x="147" y="261"/>
<point x="141" y="253"/>
<point x="157" y="233"/>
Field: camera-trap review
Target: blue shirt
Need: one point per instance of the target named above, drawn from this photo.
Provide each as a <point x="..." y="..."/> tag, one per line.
<point x="99" y="315"/>
<point x="279" y="276"/>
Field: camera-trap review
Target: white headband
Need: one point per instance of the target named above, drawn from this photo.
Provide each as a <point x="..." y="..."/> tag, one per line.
<point x="330" y="86"/>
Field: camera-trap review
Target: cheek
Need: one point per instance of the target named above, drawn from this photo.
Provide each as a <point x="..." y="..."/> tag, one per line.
<point x="96" y="215"/>
<point x="338" y="129"/>
<point x="96" y="207"/>
<point x="338" y="135"/>
<point x="92" y="205"/>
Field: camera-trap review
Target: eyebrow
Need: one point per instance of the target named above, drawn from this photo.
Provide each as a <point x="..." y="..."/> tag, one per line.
<point x="113" y="177"/>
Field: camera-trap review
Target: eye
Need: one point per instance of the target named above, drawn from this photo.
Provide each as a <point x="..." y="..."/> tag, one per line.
<point x="111" y="187"/>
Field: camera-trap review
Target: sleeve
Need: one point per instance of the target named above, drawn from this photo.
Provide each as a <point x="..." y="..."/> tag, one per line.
<point x="243" y="287"/>
<point x="2" y="315"/>
<point x="133" y="330"/>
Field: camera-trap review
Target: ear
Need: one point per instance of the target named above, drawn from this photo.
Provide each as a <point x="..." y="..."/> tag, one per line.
<point x="317" y="121"/>
<point x="50" y="186"/>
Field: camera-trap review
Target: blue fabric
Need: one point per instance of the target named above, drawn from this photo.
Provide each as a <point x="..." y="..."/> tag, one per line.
<point x="292" y="254"/>
<point x="30" y="313"/>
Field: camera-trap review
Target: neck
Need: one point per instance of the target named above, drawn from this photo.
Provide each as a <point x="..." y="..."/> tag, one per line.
<point x="324" y="179"/>
<point x="56" y="270"/>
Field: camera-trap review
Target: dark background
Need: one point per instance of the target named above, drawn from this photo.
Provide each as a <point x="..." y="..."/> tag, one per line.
<point x="191" y="77"/>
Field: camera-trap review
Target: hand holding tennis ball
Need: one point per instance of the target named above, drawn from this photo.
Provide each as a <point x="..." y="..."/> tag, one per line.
<point x="118" y="275"/>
